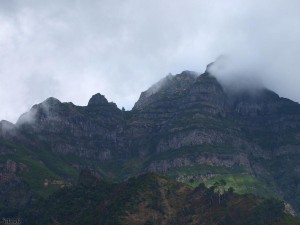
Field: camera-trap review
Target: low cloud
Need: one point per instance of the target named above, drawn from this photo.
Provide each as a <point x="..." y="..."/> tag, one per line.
<point x="27" y="118"/>
<point x="160" y="84"/>
<point x="73" y="49"/>
<point x="238" y="73"/>
<point x="45" y="109"/>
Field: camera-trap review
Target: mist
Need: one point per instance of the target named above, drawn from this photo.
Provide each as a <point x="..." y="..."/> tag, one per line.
<point x="71" y="50"/>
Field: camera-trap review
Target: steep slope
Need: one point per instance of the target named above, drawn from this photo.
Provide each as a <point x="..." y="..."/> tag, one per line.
<point x="194" y="134"/>
<point x="273" y="123"/>
<point x="249" y="139"/>
<point x="88" y="132"/>
<point x="186" y="126"/>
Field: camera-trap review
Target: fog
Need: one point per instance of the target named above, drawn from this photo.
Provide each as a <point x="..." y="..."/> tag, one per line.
<point x="73" y="49"/>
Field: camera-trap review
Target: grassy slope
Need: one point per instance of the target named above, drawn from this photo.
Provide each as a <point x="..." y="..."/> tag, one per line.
<point x="40" y="165"/>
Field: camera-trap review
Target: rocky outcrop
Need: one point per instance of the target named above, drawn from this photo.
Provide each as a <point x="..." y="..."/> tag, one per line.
<point x="191" y="138"/>
<point x="204" y="159"/>
<point x="97" y="100"/>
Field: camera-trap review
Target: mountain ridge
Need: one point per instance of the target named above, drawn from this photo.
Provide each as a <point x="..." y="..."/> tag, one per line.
<point x="189" y="129"/>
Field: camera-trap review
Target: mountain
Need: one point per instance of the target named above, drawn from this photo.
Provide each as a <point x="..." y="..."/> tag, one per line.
<point x="187" y="127"/>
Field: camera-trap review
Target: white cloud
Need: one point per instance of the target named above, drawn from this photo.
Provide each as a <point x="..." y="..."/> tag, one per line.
<point x="73" y="49"/>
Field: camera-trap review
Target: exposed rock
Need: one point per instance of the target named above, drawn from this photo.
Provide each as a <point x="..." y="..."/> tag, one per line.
<point x="97" y="100"/>
<point x="205" y="159"/>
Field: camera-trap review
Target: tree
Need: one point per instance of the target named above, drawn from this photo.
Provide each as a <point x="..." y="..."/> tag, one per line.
<point x="219" y="187"/>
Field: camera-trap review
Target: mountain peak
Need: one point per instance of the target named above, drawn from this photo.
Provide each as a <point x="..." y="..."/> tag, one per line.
<point x="168" y="86"/>
<point x="6" y="124"/>
<point x="6" y="127"/>
<point x="49" y="103"/>
<point x="97" y="100"/>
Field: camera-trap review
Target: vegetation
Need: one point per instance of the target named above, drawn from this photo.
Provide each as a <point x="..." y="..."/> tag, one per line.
<point x="40" y="165"/>
<point x="152" y="199"/>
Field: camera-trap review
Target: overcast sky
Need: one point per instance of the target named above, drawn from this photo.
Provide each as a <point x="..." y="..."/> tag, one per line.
<point x="72" y="49"/>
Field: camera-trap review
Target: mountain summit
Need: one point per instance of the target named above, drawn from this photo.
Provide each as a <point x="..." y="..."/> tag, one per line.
<point x="97" y="100"/>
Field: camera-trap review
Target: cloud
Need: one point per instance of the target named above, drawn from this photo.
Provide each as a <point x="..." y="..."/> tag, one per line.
<point x="73" y="49"/>
<point x="240" y="72"/>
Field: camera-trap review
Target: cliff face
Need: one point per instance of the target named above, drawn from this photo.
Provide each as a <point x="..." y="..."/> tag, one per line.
<point x="186" y="126"/>
<point x="90" y="132"/>
<point x="14" y="192"/>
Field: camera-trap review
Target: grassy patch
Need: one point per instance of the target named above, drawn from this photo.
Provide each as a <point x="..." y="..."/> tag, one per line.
<point x="245" y="184"/>
<point x="195" y="170"/>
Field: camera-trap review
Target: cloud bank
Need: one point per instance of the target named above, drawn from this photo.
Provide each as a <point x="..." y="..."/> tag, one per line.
<point x="73" y="49"/>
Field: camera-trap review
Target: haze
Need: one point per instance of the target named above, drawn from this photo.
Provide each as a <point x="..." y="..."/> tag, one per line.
<point x="73" y="49"/>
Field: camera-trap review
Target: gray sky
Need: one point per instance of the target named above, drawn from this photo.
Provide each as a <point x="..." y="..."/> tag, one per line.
<point x="73" y="49"/>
